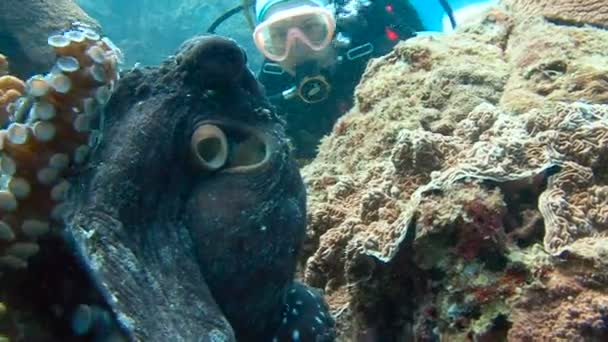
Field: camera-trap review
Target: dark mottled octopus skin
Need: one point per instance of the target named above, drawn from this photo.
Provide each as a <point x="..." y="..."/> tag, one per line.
<point x="184" y="254"/>
<point x="305" y="316"/>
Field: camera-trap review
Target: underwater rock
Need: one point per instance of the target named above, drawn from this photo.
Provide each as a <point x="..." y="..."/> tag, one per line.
<point x="470" y="172"/>
<point x="25" y="27"/>
<point x="576" y="12"/>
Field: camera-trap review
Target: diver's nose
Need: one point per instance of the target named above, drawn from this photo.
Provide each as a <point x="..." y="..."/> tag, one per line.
<point x="215" y="60"/>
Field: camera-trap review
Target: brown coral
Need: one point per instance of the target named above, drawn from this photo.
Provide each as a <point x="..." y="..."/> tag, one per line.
<point x="593" y="12"/>
<point x="478" y="157"/>
<point x="561" y="309"/>
<point x="569" y="66"/>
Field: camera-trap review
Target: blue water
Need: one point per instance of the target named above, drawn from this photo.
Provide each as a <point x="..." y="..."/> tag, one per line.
<point x="433" y="16"/>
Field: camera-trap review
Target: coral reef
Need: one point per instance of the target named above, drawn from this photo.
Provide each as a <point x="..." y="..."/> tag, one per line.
<point x="576" y="12"/>
<point x="25" y="26"/>
<point x="470" y="176"/>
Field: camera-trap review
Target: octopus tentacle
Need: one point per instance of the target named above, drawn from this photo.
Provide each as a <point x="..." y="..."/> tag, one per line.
<point x="305" y="317"/>
<point x="51" y="120"/>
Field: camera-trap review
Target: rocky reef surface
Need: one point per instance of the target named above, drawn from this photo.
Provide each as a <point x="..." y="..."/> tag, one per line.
<point x="578" y="12"/>
<point x="465" y="197"/>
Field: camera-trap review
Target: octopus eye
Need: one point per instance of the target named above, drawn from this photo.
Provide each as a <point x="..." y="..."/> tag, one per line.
<point x="209" y="147"/>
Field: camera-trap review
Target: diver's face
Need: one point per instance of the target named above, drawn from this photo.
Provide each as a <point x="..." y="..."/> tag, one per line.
<point x="300" y="53"/>
<point x="292" y="36"/>
<point x="300" y="28"/>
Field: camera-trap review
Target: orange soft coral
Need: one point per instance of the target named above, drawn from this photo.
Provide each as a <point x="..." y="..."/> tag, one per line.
<point x="11" y="88"/>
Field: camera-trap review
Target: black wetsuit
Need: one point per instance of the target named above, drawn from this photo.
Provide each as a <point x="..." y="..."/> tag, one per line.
<point x="377" y="26"/>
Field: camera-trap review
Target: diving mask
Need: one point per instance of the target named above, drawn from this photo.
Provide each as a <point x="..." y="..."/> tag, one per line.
<point x="311" y="25"/>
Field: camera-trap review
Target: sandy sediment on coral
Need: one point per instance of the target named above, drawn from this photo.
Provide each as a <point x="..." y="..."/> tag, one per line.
<point x="464" y="150"/>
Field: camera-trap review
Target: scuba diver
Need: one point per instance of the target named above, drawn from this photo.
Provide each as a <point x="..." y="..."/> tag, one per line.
<point x="316" y="52"/>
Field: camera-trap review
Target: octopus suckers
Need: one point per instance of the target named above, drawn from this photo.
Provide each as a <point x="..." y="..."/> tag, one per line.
<point x="102" y="94"/>
<point x="82" y="123"/>
<point x="20" y="187"/>
<point x="8" y="165"/>
<point x="6" y="233"/>
<point x="90" y="34"/>
<point x="50" y="114"/>
<point x="116" y="51"/>
<point x="59" y="161"/>
<point x="13" y="262"/>
<point x="58" y="41"/>
<point x="35" y="228"/>
<point x="37" y="86"/>
<point x="23" y="250"/>
<point x="75" y="36"/>
<point x="96" y="54"/>
<point x="58" y="211"/>
<point x="44" y="131"/>
<point x="47" y="175"/>
<point x="42" y="110"/>
<point x="8" y="202"/>
<point x="90" y="106"/>
<point x="97" y="72"/>
<point x="59" y="191"/>
<point x="60" y="82"/>
<point x="86" y="318"/>
<point x="81" y="153"/>
<point x="18" y="134"/>
<point x="67" y="64"/>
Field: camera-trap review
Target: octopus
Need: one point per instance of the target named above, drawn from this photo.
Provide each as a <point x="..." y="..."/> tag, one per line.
<point x="176" y="213"/>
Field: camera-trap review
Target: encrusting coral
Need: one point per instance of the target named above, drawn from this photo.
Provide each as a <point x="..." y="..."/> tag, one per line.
<point x="593" y="12"/>
<point x="52" y="120"/>
<point x="471" y="172"/>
